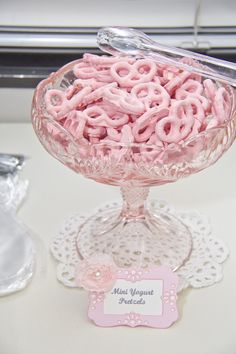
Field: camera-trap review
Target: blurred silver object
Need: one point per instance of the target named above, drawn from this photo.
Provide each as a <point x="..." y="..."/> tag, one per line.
<point x="10" y="163"/>
<point x="17" y="247"/>
<point x="17" y="254"/>
<point x="13" y="191"/>
<point x="12" y="188"/>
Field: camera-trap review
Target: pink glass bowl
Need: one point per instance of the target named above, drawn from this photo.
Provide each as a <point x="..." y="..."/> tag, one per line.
<point x="134" y="234"/>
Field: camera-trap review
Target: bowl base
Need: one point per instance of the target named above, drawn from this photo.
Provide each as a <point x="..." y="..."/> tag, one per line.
<point x="156" y="238"/>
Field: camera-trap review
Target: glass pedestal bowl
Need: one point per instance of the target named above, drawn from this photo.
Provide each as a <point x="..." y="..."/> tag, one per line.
<point x="135" y="235"/>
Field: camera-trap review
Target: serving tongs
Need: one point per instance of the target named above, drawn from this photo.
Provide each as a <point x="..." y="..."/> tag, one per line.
<point x="122" y="40"/>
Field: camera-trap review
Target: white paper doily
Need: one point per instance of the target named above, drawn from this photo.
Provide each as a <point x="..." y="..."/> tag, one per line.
<point x="204" y="268"/>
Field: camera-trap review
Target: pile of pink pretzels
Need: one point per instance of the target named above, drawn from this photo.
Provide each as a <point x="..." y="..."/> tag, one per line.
<point x="136" y="100"/>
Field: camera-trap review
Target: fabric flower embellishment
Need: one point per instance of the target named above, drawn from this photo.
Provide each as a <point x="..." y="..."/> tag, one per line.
<point x="97" y="273"/>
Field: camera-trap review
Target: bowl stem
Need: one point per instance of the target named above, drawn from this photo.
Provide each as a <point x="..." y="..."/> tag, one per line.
<point x="134" y="201"/>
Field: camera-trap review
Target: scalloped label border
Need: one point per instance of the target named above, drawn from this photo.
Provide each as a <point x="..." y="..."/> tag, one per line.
<point x="140" y="297"/>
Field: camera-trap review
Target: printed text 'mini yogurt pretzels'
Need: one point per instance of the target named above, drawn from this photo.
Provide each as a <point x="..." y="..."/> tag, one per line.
<point x="128" y="75"/>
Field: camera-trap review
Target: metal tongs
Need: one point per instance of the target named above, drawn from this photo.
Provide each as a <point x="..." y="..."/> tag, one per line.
<point x="10" y="164"/>
<point x="122" y="40"/>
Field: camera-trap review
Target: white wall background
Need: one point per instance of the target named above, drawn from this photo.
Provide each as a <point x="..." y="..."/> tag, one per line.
<point x="94" y="13"/>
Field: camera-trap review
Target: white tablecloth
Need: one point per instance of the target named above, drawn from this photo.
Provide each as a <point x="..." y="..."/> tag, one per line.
<point x="48" y="318"/>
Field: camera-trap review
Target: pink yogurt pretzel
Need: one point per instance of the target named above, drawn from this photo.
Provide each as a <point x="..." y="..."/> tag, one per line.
<point x="105" y="60"/>
<point x="144" y="126"/>
<point x="210" y="89"/>
<point x="194" y="89"/>
<point x="126" y="138"/>
<point x="93" y="83"/>
<point x="104" y="76"/>
<point x="176" y="82"/>
<point x="190" y="107"/>
<point x="172" y="130"/>
<point x="124" y="101"/>
<point x="108" y="107"/>
<point x="151" y="94"/>
<point x="154" y="140"/>
<point x="55" y="101"/>
<point x="98" y="93"/>
<point x="182" y="95"/>
<point x="113" y="134"/>
<point x="156" y="79"/>
<point x="58" y="105"/>
<point x="75" y="102"/>
<point x="126" y="134"/>
<point x="190" y="86"/>
<point x="188" y="61"/>
<point x="192" y="62"/>
<point x="118" y="119"/>
<point x="160" y="76"/>
<point x="116" y="134"/>
<point x="85" y="71"/>
<point x="127" y="75"/>
<point x="221" y="105"/>
<point x="97" y="116"/>
<point x="169" y="72"/>
<point x="70" y="91"/>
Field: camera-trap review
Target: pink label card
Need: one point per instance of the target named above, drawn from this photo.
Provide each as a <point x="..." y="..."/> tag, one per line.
<point x="140" y="297"/>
